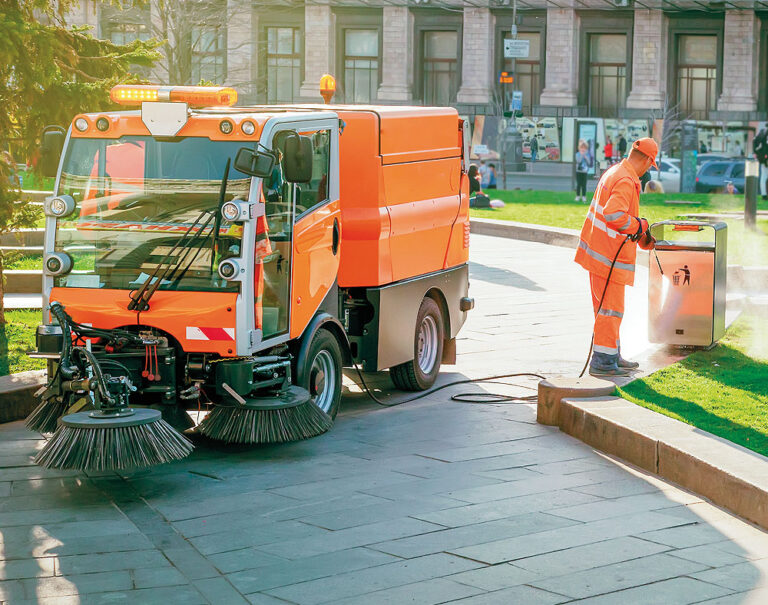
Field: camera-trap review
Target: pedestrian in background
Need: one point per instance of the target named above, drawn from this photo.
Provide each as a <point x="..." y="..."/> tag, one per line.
<point x="760" y="149"/>
<point x="491" y="176"/>
<point x="608" y="248"/>
<point x="482" y="170"/>
<point x="534" y="148"/>
<point x="622" y="147"/>
<point x="608" y="151"/>
<point x="583" y="161"/>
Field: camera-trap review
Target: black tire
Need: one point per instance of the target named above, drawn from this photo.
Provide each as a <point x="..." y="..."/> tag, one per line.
<point x="421" y="372"/>
<point x="323" y="357"/>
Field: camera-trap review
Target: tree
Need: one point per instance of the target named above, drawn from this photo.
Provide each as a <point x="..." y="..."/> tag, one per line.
<point x="48" y="73"/>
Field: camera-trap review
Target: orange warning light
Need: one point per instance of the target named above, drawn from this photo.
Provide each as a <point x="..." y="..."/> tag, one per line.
<point x="195" y="96"/>
<point x="327" y="87"/>
<point x="506" y="77"/>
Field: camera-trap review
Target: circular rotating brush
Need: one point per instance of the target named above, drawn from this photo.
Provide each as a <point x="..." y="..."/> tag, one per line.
<point x="45" y="417"/>
<point x="105" y="440"/>
<point x="289" y="415"/>
<point x="114" y="436"/>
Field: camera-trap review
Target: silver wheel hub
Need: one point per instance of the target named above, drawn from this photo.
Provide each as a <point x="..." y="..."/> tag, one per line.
<point x="427" y="344"/>
<point x="322" y="380"/>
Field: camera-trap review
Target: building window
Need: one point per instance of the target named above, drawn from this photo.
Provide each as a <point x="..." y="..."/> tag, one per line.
<point x="209" y="55"/>
<point x="125" y="33"/>
<point x="361" y="65"/>
<point x="283" y="64"/>
<point x="527" y="71"/>
<point x="607" y="73"/>
<point x="440" y="76"/>
<point x="696" y="75"/>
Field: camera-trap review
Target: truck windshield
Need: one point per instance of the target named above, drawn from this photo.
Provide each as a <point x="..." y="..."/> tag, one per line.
<point x="135" y="198"/>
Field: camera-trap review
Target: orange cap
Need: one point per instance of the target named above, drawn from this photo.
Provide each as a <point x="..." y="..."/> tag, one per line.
<point x="649" y="147"/>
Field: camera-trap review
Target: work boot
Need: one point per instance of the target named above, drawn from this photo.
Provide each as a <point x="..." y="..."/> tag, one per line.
<point x="626" y="363"/>
<point x="603" y="364"/>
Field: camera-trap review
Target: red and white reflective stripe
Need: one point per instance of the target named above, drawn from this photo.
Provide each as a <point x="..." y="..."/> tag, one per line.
<point x="195" y="333"/>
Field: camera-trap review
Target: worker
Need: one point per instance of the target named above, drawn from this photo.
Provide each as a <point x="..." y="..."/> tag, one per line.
<point x="607" y="249"/>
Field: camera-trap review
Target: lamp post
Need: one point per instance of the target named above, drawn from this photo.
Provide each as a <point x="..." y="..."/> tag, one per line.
<point x="751" y="184"/>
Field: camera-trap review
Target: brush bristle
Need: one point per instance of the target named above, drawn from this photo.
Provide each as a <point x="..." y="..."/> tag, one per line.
<point x="113" y="449"/>
<point x="243" y="425"/>
<point x="45" y="417"/>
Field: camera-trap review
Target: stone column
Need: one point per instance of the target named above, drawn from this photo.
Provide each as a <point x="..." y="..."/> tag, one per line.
<point x="649" y="60"/>
<point x="740" y="61"/>
<point x="241" y="38"/>
<point x="562" y="72"/>
<point x="319" y="35"/>
<point x="398" y="55"/>
<point x="477" y="57"/>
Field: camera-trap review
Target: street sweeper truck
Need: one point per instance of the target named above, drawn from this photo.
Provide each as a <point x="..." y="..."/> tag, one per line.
<point x="206" y="256"/>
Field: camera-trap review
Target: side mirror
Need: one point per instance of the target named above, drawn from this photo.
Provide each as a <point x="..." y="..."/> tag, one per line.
<point x="297" y="162"/>
<point x="255" y="163"/>
<point x="51" y="144"/>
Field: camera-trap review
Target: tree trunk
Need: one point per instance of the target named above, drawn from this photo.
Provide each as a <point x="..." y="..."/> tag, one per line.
<point x="4" y="361"/>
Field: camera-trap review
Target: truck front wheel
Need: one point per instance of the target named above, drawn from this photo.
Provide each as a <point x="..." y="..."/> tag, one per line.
<point x="421" y="372"/>
<point x="321" y="372"/>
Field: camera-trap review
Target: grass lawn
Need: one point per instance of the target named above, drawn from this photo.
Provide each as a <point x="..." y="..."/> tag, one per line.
<point x="20" y="333"/>
<point x="558" y="209"/>
<point x="83" y="261"/>
<point x="723" y="391"/>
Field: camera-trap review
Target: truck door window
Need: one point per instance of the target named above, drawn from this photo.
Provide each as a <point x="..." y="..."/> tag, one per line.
<point x="274" y="235"/>
<point x="315" y="193"/>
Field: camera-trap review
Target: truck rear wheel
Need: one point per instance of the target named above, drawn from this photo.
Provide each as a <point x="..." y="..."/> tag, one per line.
<point x="421" y="372"/>
<point x="321" y="372"/>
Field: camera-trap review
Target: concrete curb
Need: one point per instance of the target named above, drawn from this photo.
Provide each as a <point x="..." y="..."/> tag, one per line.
<point x="17" y="394"/>
<point x="556" y="236"/>
<point x="729" y="475"/>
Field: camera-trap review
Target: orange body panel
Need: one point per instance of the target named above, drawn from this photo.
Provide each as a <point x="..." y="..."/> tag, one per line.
<point x="423" y="201"/>
<point x="172" y="312"/>
<point x="400" y="172"/>
<point x="314" y="265"/>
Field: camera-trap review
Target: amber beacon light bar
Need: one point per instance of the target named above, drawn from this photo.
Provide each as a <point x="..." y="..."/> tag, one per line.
<point x="194" y="96"/>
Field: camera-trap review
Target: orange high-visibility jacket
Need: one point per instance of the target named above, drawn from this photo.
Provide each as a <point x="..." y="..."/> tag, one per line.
<point x="612" y="215"/>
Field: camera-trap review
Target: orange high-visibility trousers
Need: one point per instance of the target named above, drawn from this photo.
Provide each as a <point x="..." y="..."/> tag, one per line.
<point x="608" y="319"/>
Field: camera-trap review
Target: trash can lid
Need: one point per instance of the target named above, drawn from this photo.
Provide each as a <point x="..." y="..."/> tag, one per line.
<point x="685" y="245"/>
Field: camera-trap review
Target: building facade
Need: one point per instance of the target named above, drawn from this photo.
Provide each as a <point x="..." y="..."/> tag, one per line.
<point x="587" y="59"/>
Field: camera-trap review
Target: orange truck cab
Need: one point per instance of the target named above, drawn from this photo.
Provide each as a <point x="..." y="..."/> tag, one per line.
<point x="254" y="244"/>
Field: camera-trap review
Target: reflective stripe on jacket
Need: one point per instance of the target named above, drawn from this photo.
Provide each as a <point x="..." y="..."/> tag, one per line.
<point x="612" y="215"/>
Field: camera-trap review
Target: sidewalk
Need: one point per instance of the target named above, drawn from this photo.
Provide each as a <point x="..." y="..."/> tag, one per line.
<point x="431" y="502"/>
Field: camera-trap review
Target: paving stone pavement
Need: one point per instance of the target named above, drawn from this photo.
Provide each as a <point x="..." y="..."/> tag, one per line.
<point x="432" y="502"/>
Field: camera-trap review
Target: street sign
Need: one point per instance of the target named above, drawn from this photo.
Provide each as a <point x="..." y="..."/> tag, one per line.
<point x="517" y="49"/>
<point x="479" y="149"/>
<point x="517" y="100"/>
<point x="506" y="77"/>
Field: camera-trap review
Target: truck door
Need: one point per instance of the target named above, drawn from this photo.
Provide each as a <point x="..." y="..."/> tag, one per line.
<point x="303" y="220"/>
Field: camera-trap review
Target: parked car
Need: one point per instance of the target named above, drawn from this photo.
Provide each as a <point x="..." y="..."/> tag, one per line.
<point x="668" y="174"/>
<point x="713" y="177"/>
<point x="702" y="158"/>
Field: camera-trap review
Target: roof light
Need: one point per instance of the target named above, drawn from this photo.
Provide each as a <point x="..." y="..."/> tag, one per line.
<point x="248" y="127"/>
<point x="81" y="124"/>
<point x="195" y="96"/>
<point x="102" y="124"/>
<point x="327" y="87"/>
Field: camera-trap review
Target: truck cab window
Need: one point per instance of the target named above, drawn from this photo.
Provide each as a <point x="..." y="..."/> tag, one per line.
<point x="315" y="192"/>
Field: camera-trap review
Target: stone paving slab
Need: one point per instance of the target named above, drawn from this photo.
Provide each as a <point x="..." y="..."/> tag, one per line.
<point x="431" y="502"/>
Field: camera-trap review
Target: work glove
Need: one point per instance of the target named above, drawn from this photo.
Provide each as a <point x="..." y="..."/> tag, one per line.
<point x="641" y="229"/>
<point x="647" y="241"/>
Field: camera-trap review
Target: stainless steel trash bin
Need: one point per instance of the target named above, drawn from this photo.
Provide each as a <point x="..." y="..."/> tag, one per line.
<point x="686" y="304"/>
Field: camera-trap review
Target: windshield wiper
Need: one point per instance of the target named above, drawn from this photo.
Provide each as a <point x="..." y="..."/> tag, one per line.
<point x="140" y="298"/>
<point x="165" y="269"/>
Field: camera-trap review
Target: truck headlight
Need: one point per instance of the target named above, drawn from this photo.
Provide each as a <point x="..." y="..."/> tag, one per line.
<point x="236" y="210"/>
<point x="59" y="206"/>
<point x="58" y="263"/>
<point x="229" y="269"/>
